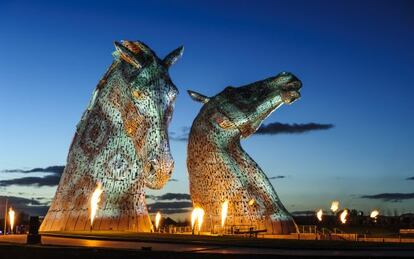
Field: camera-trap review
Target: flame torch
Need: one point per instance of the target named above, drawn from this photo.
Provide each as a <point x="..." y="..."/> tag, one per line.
<point x="374" y="214"/>
<point x="197" y="215"/>
<point x="224" y="208"/>
<point x="157" y="220"/>
<point x="96" y="198"/>
<point x="319" y="214"/>
<point x="335" y="206"/>
<point x="343" y="216"/>
<point x="11" y="219"/>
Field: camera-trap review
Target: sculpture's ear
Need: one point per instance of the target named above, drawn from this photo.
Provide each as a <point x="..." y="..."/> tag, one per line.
<point x="174" y="55"/>
<point x="198" y="97"/>
<point x="131" y="53"/>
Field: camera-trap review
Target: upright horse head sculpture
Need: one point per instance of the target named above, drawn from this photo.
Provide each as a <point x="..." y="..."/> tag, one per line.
<point x="121" y="143"/>
<point x="218" y="167"/>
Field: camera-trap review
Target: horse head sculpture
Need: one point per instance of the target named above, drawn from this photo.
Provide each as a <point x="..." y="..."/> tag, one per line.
<point x="121" y="143"/>
<point x="220" y="170"/>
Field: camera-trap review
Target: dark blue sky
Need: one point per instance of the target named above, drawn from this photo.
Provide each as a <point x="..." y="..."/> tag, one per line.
<point x="355" y="59"/>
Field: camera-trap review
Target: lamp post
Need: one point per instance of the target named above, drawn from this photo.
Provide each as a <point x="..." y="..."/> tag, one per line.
<point x="5" y="216"/>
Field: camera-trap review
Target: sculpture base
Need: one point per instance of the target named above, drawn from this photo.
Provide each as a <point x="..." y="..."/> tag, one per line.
<point x="281" y="227"/>
<point x="105" y="220"/>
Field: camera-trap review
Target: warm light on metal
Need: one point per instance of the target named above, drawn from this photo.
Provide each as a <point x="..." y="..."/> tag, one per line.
<point x="343" y="216"/>
<point x="11" y="219"/>
<point x="335" y="206"/>
<point x="319" y="214"/>
<point x="219" y="168"/>
<point x="96" y="198"/>
<point x="121" y="141"/>
<point x="157" y="220"/>
<point x="224" y="209"/>
<point x="200" y="219"/>
<point x="374" y="214"/>
<point x="193" y="217"/>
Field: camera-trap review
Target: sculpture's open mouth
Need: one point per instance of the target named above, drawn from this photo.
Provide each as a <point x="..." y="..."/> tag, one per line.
<point x="290" y="91"/>
<point x="289" y="97"/>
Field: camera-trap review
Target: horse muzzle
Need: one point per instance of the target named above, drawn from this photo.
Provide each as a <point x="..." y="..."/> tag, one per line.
<point x="289" y="97"/>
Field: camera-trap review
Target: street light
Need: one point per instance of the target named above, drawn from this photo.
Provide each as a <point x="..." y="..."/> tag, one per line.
<point x="5" y="217"/>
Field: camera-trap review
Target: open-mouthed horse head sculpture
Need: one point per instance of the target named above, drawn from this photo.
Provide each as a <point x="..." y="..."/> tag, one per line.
<point x="121" y="143"/>
<point x="219" y="169"/>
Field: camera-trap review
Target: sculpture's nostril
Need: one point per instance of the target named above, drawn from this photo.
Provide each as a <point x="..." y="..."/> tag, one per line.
<point x="294" y="94"/>
<point x="151" y="166"/>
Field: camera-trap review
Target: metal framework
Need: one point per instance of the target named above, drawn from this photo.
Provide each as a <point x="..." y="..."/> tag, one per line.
<point x="121" y="143"/>
<point x="219" y="169"/>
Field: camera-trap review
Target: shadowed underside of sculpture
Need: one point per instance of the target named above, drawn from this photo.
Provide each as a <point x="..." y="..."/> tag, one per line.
<point x="121" y="143"/>
<point x="219" y="169"/>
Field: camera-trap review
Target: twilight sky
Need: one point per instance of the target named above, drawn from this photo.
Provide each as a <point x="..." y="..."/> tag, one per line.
<point x="355" y="59"/>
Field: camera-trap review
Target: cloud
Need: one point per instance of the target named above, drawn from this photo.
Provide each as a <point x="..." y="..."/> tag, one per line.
<point x="277" y="177"/>
<point x="269" y="129"/>
<point x="30" y="206"/>
<point x="170" y="196"/>
<point x="180" y="136"/>
<point x="410" y="178"/>
<point x="57" y="169"/>
<point x="279" y="128"/>
<point x="392" y="197"/>
<point x="170" y="207"/>
<point x="48" y="180"/>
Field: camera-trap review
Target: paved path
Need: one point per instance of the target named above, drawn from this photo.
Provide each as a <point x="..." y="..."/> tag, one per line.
<point x="205" y="248"/>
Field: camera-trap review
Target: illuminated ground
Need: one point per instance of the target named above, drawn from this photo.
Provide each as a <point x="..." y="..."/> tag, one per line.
<point x="101" y="245"/>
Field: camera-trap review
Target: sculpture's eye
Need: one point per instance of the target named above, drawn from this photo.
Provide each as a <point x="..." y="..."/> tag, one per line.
<point x="224" y="123"/>
<point x="137" y="94"/>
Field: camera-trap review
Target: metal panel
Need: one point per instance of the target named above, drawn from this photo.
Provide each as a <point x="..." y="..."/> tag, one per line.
<point x="219" y="169"/>
<point x="121" y="142"/>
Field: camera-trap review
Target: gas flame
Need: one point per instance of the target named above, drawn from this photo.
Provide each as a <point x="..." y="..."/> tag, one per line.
<point x="374" y="214"/>
<point x="335" y="206"/>
<point x="343" y="216"/>
<point x="11" y="219"/>
<point x="96" y="198"/>
<point x="194" y="217"/>
<point x="319" y="214"/>
<point x="197" y="215"/>
<point x="200" y="219"/>
<point x="224" y="208"/>
<point x="157" y="220"/>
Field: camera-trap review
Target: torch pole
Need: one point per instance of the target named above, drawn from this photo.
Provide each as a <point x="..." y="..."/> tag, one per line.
<point x="5" y="216"/>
